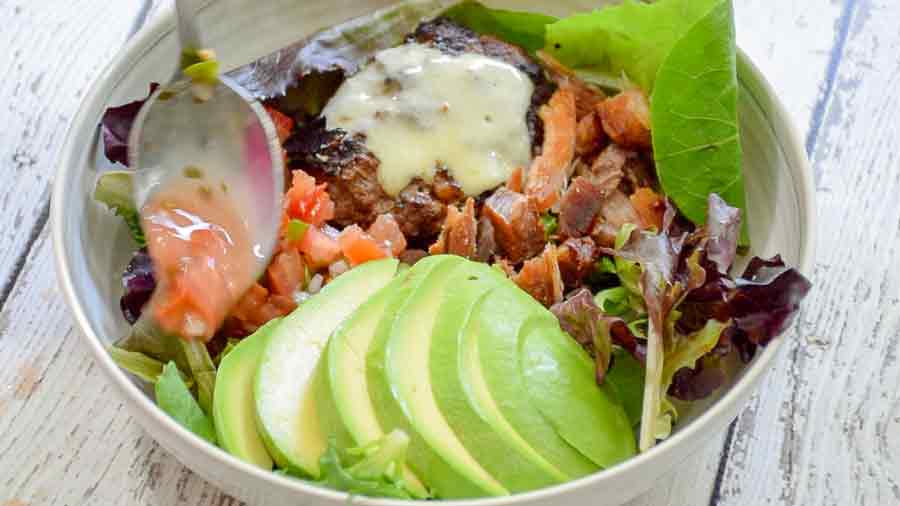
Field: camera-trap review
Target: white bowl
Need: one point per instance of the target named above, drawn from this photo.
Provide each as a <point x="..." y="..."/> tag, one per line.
<point x="92" y="247"/>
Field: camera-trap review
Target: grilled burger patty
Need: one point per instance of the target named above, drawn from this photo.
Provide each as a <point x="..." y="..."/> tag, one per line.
<point x="351" y="171"/>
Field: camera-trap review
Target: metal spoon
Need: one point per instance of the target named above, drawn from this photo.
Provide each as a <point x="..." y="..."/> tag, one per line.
<point x="233" y="141"/>
<point x="229" y="136"/>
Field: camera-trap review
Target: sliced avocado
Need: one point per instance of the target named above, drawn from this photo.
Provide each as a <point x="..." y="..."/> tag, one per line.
<point x="504" y="316"/>
<point x="435" y="452"/>
<point x="284" y="387"/>
<point x="346" y="412"/>
<point x="560" y="379"/>
<point x="461" y="391"/>
<point x="234" y="411"/>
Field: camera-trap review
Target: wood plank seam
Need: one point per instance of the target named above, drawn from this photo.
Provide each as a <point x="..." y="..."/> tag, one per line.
<point x="19" y="264"/>
<point x="819" y="109"/>
<point x="723" y="463"/>
<point x="837" y="55"/>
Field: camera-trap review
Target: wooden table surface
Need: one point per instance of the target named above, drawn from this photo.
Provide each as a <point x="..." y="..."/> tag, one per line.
<point x="824" y="428"/>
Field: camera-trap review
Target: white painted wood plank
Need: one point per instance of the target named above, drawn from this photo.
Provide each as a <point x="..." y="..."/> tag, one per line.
<point x="791" y="42"/>
<point x="51" y="52"/>
<point x="825" y="429"/>
<point x="73" y="429"/>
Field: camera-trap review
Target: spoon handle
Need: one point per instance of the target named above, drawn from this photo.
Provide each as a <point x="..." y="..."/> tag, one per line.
<point x="186" y="12"/>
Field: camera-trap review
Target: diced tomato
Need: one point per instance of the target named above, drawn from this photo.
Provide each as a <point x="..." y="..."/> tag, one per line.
<point x="286" y="272"/>
<point x="307" y="201"/>
<point x="284" y="125"/>
<point x="255" y="309"/>
<point x="359" y="247"/>
<point x="387" y="233"/>
<point x="318" y="249"/>
<point x="650" y="206"/>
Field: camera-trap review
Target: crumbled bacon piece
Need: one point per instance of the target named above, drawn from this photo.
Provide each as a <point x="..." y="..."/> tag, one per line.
<point x="586" y="96"/>
<point x="576" y="259"/>
<point x="617" y="210"/>
<point x="486" y="243"/>
<point x="459" y="233"/>
<point x="547" y="175"/>
<point x="516" y="223"/>
<point x="540" y="277"/>
<point x="626" y="119"/>
<point x="589" y="135"/>
<point x="650" y="206"/>
<point x="579" y="208"/>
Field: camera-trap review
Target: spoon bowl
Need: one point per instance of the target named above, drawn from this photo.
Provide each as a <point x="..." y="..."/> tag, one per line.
<point x="228" y="142"/>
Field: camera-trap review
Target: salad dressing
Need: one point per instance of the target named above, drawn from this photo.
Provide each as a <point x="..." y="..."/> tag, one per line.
<point x="421" y="110"/>
<point x="203" y="254"/>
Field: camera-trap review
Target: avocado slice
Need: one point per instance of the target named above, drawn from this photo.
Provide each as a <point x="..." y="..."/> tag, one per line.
<point x="284" y="387"/>
<point x="559" y="376"/>
<point x="504" y="316"/>
<point x="435" y="451"/>
<point x="461" y="391"/>
<point x="346" y="412"/>
<point x="234" y="411"/>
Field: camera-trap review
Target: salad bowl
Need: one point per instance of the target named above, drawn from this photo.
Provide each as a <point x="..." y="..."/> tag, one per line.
<point x="91" y="246"/>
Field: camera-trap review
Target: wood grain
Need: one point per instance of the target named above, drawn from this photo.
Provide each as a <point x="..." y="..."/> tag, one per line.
<point x="64" y="438"/>
<point x="52" y="51"/>
<point x="825" y="428"/>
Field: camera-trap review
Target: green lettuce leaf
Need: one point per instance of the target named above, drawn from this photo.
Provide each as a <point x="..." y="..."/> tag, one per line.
<point x="146" y="368"/>
<point x="524" y="29"/>
<point x="114" y="189"/>
<point x="376" y="473"/>
<point x="202" y="370"/>
<point x="687" y="350"/>
<point x="696" y="143"/>
<point x="627" y="379"/>
<point x="173" y="397"/>
<point x="633" y="38"/>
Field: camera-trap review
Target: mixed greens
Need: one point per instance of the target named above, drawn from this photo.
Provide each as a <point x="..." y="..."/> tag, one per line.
<point x="515" y="367"/>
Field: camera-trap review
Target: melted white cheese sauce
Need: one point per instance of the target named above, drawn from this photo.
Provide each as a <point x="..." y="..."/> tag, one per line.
<point x="422" y="110"/>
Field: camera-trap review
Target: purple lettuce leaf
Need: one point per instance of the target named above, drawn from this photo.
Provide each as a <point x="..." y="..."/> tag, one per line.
<point x="116" y="125"/>
<point x="698" y="383"/>
<point x="139" y="283"/>
<point x="723" y="228"/>
<point x="766" y="299"/>
<point x="580" y="317"/>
